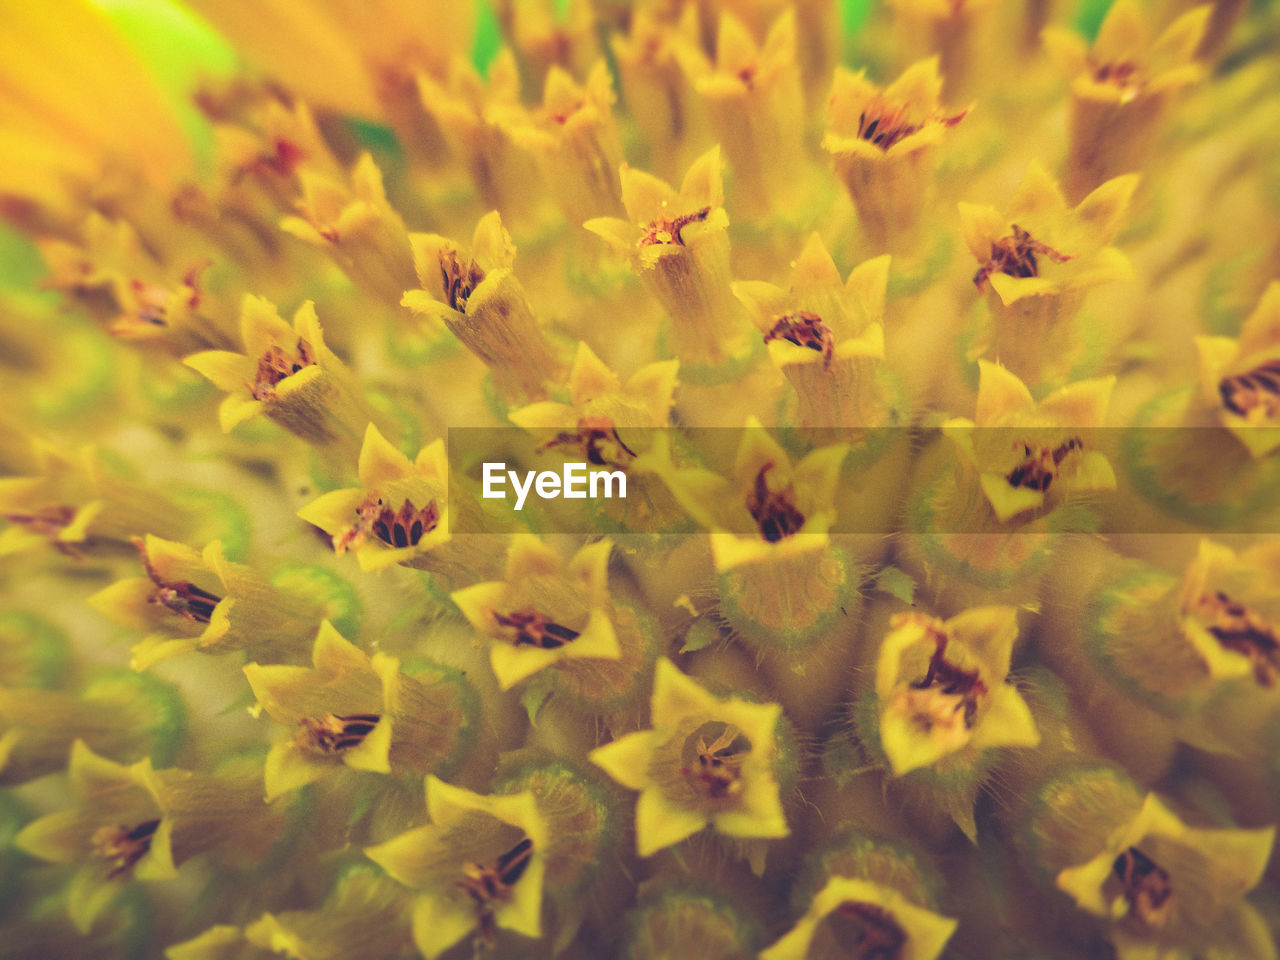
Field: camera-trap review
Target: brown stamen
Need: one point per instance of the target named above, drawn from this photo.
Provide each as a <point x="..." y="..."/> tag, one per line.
<point x="1125" y="74"/>
<point x="1244" y="631"/>
<point x="1146" y="886"/>
<point x="529" y="628"/>
<point x="178" y="596"/>
<point x="332" y="734"/>
<point x="396" y="528"/>
<point x="666" y="230"/>
<point x="772" y="509"/>
<point x="489" y="885"/>
<point x="598" y="440"/>
<point x="1040" y="466"/>
<point x="804" y="329"/>
<point x="884" y="126"/>
<point x="48" y="522"/>
<point x="718" y="773"/>
<point x="949" y="680"/>
<point x="123" y="846"/>
<point x="459" y="281"/>
<point x="1259" y="388"/>
<point x="867" y="931"/>
<point x="1015" y="256"/>
<point x="275" y="365"/>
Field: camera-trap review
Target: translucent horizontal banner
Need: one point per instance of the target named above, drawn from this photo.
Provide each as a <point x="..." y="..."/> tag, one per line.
<point x="778" y="483"/>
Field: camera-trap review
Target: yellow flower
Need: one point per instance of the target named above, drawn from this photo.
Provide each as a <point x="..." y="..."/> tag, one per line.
<point x="138" y="822"/>
<point x="1240" y="378"/>
<point x="1038" y="259"/>
<point x="588" y="428"/>
<point x="477" y="868"/>
<point x="362" y="712"/>
<point x="756" y="105"/>
<point x="288" y="374"/>
<point x="783" y="509"/>
<point x="69" y="501"/>
<point x="1028" y="456"/>
<point x="943" y="692"/>
<point x="356" y="227"/>
<point x="1230" y="611"/>
<point x="597" y="394"/>
<point x="657" y="65"/>
<point x="706" y="760"/>
<point x="478" y="297"/>
<point x="882" y="142"/>
<point x="575" y="140"/>
<point x="879" y="911"/>
<point x="1122" y="87"/>
<point x="477" y="119"/>
<point x="338" y="709"/>
<point x="236" y="609"/>
<point x="545" y="612"/>
<point x="398" y="514"/>
<point x="825" y="335"/>
<point x="110" y="272"/>
<point x="678" y="243"/>
<point x="1164" y="884"/>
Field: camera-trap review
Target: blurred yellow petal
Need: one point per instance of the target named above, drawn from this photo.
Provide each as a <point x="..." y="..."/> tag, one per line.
<point x="626" y="759"/>
<point x="661" y="824"/>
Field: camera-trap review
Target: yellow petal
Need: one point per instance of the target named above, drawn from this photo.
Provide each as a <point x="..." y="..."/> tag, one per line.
<point x="1123" y="34"/>
<point x="333" y="655"/>
<point x="235" y="409"/>
<point x="374" y="751"/>
<point x="511" y="664"/>
<point x="530" y="557"/>
<point x="380" y="462"/>
<point x="814" y="267"/>
<point x="989" y="632"/>
<point x="158" y="863"/>
<point x="589" y="377"/>
<point x="231" y="372"/>
<point x="439" y="923"/>
<point x="597" y="640"/>
<point x="676" y="696"/>
<point x="1091" y="471"/>
<point x="289" y="768"/>
<point x="702" y="184"/>
<point x="333" y="512"/>
<point x="1008" y="501"/>
<point x="1007" y="721"/>
<point x="626" y="759"/>
<point x="1180" y="40"/>
<point x="1039" y="193"/>
<point x="150" y="651"/>
<point x="1012" y="289"/>
<point x="981" y="226"/>
<point x="523" y="912"/>
<point x="478" y="602"/>
<point x="1000" y="394"/>
<point x="1103" y="211"/>
<point x="920" y="85"/>
<point x="275" y="685"/>
<point x="1260" y="335"/>
<point x="660" y="823"/>
<point x="1082" y="404"/>
<point x="590" y="568"/>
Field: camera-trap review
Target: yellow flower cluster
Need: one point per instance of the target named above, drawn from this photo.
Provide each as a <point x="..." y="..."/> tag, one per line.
<point x="928" y="353"/>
